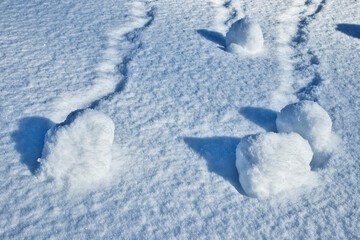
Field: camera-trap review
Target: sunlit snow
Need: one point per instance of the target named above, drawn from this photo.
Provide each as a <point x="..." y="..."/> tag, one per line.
<point x="147" y="125"/>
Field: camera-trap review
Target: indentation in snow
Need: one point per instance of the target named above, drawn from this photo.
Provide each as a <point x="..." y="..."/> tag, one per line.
<point x="77" y="152"/>
<point x="271" y="163"/>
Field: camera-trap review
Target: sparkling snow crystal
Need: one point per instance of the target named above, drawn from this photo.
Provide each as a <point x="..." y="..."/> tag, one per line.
<point x="270" y="163"/>
<point x="245" y="34"/>
<point x="78" y="151"/>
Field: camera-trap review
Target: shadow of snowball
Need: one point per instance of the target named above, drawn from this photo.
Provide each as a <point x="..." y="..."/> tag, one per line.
<point x="264" y="118"/>
<point x="29" y="140"/>
<point x="213" y="36"/>
<point x="351" y="30"/>
<point x="219" y="153"/>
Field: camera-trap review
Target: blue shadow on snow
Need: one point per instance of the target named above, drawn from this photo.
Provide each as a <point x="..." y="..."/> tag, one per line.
<point x="262" y="117"/>
<point x="29" y="140"/>
<point x="351" y="30"/>
<point x="212" y="36"/>
<point x="220" y="154"/>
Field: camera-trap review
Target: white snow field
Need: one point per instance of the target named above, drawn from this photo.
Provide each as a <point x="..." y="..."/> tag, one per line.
<point x="273" y="163"/>
<point x="77" y="152"/>
<point x="180" y="104"/>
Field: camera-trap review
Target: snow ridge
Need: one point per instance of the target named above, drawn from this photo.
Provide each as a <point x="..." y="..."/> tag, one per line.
<point x="291" y="39"/>
<point x="113" y="66"/>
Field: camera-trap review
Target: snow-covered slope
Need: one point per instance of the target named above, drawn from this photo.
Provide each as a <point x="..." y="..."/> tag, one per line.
<point x="180" y="104"/>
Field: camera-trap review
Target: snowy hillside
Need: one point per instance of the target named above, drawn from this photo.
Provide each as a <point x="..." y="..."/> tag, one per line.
<point x="131" y="119"/>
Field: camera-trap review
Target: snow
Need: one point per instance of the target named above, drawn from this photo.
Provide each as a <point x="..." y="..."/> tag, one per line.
<point x="180" y="104"/>
<point x="313" y="123"/>
<point x="271" y="163"/>
<point x="244" y="35"/>
<point x="114" y="63"/>
<point x="77" y="152"/>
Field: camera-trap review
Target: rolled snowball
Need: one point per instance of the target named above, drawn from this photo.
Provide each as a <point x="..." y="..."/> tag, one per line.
<point x="308" y="119"/>
<point x="78" y="151"/>
<point x="270" y="163"/>
<point x="246" y="34"/>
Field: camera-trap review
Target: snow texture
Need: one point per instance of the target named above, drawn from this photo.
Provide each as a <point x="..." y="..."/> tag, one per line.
<point x="181" y="104"/>
<point x="245" y="35"/>
<point x="115" y="60"/>
<point x="271" y="163"/>
<point x="77" y="152"/>
<point x="313" y="123"/>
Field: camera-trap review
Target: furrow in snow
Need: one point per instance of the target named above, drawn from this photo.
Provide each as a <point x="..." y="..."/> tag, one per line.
<point x="112" y="72"/>
<point x="287" y="28"/>
<point x="294" y="56"/>
<point x="306" y="69"/>
<point x="132" y="37"/>
<point x="227" y="11"/>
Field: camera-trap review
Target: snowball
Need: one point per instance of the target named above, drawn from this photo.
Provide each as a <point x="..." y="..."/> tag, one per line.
<point x="311" y="121"/>
<point x="245" y="34"/>
<point x="78" y="151"/>
<point x="270" y="163"/>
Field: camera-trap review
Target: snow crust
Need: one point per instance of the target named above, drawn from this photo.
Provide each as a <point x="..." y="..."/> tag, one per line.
<point x="312" y="122"/>
<point x="244" y="34"/>
<point x="78" y="151"/>
<point x="270" y="163"/>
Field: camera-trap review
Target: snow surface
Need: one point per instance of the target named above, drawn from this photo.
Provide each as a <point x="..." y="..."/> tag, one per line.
<point x="244" y="35"/>
<point x="180" y="104"/>
<point x="272" y="163"/>
<point x="77" y="152"/>
<point x="313" y="123"/>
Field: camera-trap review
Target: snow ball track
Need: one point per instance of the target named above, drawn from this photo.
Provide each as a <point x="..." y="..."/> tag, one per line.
<point x="226" y="13"/>
<point x="290" y="40"/>
<point x="307" y="62"/>
<point x="286" y="30"/>
<point x="123" y="43"/>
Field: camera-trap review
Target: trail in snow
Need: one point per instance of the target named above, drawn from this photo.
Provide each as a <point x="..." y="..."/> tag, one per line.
<point x="291" y="41"/>
<point x="112" y="72"/>
<point x="142" y="17"/>
<point x="287" y="29"/>
<point x="306" y="69"/>
<point x="227" y="11"/>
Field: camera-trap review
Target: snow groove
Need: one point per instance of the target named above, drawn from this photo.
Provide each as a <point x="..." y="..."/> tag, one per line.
<point x="143" y="19"/>
<point x="286" y="30"/>
<point x="227" y="11"/>
<point x="294" y="57"/>
<point x="307" y="61"/>
<point x="112" y="72"/>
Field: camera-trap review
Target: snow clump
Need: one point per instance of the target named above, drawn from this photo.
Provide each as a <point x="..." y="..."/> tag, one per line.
<point x="244" y="34"/>
<point x="270" y="163"/>
<point x="312" y="122"/>
<point x="77" y="152"/>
